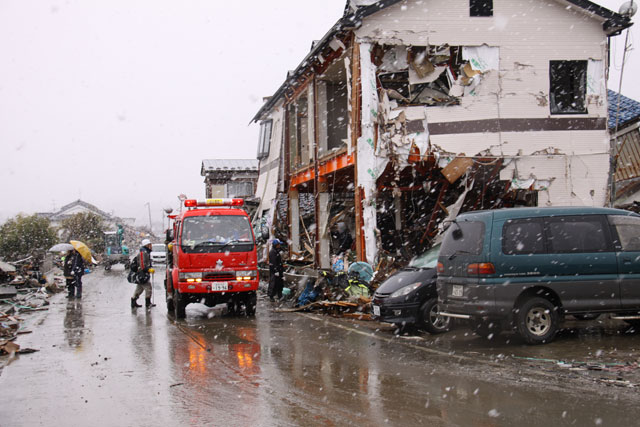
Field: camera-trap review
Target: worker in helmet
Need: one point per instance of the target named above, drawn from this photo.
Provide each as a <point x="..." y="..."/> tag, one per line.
<point x="143" y="275"/>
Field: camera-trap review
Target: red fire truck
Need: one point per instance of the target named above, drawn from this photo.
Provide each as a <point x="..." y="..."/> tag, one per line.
<point x="211" y="257"/>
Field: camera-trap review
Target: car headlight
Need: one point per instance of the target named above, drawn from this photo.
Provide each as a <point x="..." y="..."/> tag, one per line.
<point x="406" y="290"/>
<point x="246" y="275"/>
<point x="194" y="275"/>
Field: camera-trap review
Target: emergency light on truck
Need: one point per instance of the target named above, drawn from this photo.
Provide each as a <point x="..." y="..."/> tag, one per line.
<point x="192" y="203"/>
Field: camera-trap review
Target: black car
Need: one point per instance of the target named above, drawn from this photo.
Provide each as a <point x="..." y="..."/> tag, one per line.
<point x="409" y="296"/>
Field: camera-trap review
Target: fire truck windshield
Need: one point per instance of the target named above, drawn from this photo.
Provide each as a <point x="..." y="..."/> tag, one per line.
<point x="216" y="233"/>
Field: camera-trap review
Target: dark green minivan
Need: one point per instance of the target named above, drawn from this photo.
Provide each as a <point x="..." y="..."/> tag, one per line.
<point x="529" y="267"/>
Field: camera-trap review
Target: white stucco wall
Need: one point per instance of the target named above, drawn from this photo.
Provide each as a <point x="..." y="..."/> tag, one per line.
<point x="528" y="34"/>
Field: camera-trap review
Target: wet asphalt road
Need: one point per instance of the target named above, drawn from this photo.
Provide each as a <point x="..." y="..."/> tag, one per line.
<point x="102" y="364"/>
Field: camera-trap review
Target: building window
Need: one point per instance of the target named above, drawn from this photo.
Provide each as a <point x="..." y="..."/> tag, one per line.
<point x="239" y="189"/>
<point x="481" y="7"/>
<point x="567" y="87"/>
<point x="265" y="139"/>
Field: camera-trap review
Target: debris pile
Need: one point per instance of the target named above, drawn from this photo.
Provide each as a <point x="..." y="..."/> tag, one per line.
<point x="337" y="292"/>
<point x="25" y="290"/>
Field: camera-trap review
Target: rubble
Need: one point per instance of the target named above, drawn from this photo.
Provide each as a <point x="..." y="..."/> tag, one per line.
<point x="24" y="294"/>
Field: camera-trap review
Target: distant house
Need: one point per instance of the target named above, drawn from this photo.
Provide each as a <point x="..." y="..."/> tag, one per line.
<point x="80" y="206"/>
<point x="624" y="126"/>
<point x="230" y="177"/>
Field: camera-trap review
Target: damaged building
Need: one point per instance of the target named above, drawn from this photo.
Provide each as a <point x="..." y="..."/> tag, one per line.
<point x="624" y="126"/>
<point x="408" y="112"/>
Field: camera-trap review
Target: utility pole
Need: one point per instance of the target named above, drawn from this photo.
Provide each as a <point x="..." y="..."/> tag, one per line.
<point x="150" y="227"/>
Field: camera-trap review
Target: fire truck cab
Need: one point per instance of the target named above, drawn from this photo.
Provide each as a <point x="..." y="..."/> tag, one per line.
<point x="211" y="257"/>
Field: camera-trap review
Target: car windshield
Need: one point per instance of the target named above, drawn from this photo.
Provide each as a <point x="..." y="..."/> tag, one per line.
<point x="217" y="230"/>
<point x="428" y="259"/>
<point x="157" y="248"/>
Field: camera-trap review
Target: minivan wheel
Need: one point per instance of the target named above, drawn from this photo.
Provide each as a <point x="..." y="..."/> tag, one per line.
<point x="168" y="296"/>
<point x="537" y="321"/>
<point x="430" y="320"/>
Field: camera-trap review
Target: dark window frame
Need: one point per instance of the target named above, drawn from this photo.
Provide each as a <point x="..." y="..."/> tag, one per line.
<point x="481" y="8"/>
<point x="567" y="86"/>
<point x="264" y="142"/>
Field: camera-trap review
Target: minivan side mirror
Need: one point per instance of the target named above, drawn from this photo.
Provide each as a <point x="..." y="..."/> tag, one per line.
<point x="456" y="233"/>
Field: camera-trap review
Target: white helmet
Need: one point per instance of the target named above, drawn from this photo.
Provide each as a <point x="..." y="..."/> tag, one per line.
<point x="145" y="242"/>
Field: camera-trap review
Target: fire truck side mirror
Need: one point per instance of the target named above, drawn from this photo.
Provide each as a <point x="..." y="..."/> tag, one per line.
<point x="169" y="236"/>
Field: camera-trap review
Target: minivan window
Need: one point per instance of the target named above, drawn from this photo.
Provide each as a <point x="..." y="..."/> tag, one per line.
<point x="157" y="248"/>
<point x="582" y="233"/>
<point x="523" y="236"/>
<point x="628" y="229"/>
<point x="463" y="237"/>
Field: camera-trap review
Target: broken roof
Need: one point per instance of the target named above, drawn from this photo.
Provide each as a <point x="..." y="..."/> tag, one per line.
<point x="356" y="10"/>
<point x="228" y="165"/>
<point x="629" y="110"/>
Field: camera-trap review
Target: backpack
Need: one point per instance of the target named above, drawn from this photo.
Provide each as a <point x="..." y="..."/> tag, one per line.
<point x="133" y="270"/>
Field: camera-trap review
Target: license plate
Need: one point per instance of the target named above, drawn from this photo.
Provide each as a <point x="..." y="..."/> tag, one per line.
<point x="376" y="310"/>
<point x="220" y="286"/>
<point x="457" y="291"/>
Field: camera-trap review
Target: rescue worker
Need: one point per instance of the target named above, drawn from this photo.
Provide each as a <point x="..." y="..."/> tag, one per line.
<point x="143" y="276"/>
<point x="276" y="271"/>
<point x="73" y="271"/>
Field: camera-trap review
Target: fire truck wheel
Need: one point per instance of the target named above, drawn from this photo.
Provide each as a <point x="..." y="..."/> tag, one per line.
<point x="179" y="305"/>
<point x="250" y="304"/>
<point x="169" y="298"/>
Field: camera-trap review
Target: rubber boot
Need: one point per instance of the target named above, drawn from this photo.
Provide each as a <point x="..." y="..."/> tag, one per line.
<point x="147" y="303"/>
<point x="134" y="303"/>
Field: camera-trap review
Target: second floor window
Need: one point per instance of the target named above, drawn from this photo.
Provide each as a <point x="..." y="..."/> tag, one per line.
<point x="481" y="7"/>
<point x="239" y="189"/>
<point x="567" y="87"/>
<point x="265" y="138"/>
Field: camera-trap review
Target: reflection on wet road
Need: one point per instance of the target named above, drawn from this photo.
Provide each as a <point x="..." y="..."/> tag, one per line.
<point x="102" y="362"/>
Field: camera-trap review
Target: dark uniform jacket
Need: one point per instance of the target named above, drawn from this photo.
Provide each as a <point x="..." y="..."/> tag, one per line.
<point x="275" y="262"/>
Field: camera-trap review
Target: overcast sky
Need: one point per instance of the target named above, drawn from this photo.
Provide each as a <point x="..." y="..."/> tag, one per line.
<point x="117" y="102"/>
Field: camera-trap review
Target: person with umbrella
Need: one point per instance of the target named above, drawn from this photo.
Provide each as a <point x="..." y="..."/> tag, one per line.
<point x="73" y="271"/>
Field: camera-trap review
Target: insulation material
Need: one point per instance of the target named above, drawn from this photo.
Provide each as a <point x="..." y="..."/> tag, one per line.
<point x="595" y="78"/>
<point x="421" y="65"/>
<point x="337" y="44"/>
<point x="482" y="58"/>
<point x="394" y="60"/>
<point x="454" y="170"/>
<point x="415" y="79"/>
<point x="369" y="165"/>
